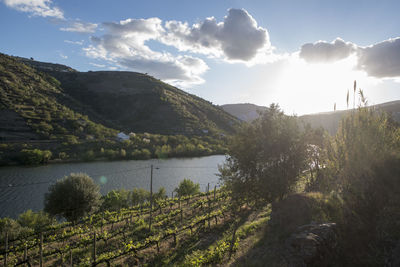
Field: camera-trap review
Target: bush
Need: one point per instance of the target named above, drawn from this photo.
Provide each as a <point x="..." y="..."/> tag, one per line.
<point x="187" y="187"/>
<point x="72" y="197"/>
<point x="364" y="163"/>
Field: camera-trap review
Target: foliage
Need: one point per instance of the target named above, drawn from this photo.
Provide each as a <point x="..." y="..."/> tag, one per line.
<point x="138" y="196"/>
<point x="160" y="194"/>
<point x="362" y="163"/>
<point x="266" y="158"/>
<point x="34" y="156"/>
<point x="115" y="200"/>
<point x="187" y="187"/>
<point x="35" y="220"/>
<point x="10" y="227"/>
<point x="72" y="197"/>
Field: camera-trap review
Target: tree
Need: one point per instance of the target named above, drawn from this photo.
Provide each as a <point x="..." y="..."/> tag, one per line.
<point x="160" y="194"/>
<point x="266" y="158"/>
<point x="187" y="187"/>
<point x="138" y="196"/>
<point x="115" y="200"/>
<point x="72" y="197"/>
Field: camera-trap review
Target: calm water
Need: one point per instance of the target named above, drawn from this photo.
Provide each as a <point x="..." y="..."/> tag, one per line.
<point x="23" y="188"/>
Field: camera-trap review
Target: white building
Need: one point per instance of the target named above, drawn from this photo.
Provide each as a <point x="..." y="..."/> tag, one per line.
<point x="122" y="136"/>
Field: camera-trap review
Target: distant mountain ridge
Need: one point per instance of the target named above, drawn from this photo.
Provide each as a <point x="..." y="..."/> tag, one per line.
<point x="327" y="120"/>
<point x="244" y="111"/>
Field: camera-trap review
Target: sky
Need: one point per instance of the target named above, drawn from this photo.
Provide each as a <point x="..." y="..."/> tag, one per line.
<point x="303" y="55"/>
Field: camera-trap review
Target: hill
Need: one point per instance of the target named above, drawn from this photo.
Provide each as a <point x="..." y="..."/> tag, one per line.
<point x="136" y="102"/>
<point x="33" y="107"/>
<point x="327" y="120"/>
<point x="330" y="120"/>
<point x="79" y="117"/>
<point x="245" y="112"/>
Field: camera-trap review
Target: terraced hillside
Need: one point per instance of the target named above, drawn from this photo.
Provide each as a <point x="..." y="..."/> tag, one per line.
<point x="32" y="107"/>
<point x="136" y="102"/>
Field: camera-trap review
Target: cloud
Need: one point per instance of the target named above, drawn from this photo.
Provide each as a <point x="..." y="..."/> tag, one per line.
<point x="322" y="51"/>
<point x="40" y="8"/>
<point x="97" y="65"/>
<point x="81" y="27"/>
<point x="74" y="42"/>
<point x="124" y="45"/>
<point x="381" y="60"/>
<point x="62" y="56"/>
<point x="236" y="38"/>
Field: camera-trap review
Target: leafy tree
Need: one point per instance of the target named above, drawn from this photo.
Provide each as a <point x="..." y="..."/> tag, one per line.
<point x="187" y="187"/>
<point x="115" y="200"/>
<point x="72" y="197"/>
<point x="160" y="194"/>
<point x="266" y="158"/>
<point x="138" y="196"/>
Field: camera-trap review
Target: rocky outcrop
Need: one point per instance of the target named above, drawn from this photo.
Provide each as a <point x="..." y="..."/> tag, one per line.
<point x="311" y="245"/>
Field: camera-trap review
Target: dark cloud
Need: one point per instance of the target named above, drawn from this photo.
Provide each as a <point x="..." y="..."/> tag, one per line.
<point x="327" y="52"/>
<point x="382" y="59"/>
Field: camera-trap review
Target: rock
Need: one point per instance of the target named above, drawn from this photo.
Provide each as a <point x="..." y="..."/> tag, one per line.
<point x="394" y="257"/>
<point x="311" y="245"/>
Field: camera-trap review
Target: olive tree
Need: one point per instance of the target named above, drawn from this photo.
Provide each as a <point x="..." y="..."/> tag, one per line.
<point x="266" y="158"/>
<point x="72" y="197"/>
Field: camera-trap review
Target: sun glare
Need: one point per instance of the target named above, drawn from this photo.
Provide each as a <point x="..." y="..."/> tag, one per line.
<point x="310" y="88"/>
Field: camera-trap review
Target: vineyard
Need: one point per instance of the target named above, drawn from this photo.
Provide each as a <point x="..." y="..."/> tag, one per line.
<point x="133" y="236"/>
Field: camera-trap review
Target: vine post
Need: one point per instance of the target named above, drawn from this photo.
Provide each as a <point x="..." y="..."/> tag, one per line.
<point x="41" y="250"/>
<point x="5" y="249"/>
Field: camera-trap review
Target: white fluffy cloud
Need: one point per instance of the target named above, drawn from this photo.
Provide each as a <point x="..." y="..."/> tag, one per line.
<point x="81" y="27"/>
<point x="327" y="52"/>
<point x="41" y="8"/>
<point x="124" y="44"/>
<point x="381" y="60"/>
<point x="236" y="38"/>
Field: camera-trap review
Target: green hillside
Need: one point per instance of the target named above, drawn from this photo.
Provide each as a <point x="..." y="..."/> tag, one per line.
<point x="34" y="104"/>
<point x="136" y="102"/>
<point x="43" y="119"/>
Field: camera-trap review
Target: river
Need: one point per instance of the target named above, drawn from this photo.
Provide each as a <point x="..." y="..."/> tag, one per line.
<point x="23" y="188"/>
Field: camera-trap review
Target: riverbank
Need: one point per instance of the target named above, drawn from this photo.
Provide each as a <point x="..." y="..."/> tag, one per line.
<point x="149" y="147"/>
